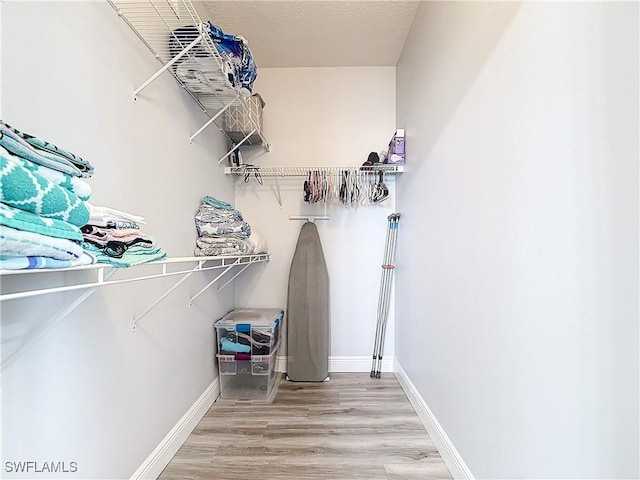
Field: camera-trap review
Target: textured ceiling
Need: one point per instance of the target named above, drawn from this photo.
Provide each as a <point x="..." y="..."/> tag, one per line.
<point x="312" y="33"/>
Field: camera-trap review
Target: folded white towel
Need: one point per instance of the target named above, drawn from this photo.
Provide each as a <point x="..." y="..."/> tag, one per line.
<point x="99" y="215"/>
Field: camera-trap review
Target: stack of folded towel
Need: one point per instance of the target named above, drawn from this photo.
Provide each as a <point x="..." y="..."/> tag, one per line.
<point x="223" y="231"/>
<point x="42" y="203"/>
<point x="115" y="237"/>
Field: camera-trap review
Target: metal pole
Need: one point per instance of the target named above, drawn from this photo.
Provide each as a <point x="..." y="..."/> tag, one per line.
<point x="390" y="267"/>
<point x="376" y="344"/>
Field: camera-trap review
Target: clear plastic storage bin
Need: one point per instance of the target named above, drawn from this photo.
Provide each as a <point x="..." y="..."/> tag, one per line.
<point x="252" y="331"/>
<point x="248" y="340"/>
<point x="255" y="379"/>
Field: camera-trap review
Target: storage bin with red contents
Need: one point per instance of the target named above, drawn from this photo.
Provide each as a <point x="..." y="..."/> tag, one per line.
<point x="248" y="341"/>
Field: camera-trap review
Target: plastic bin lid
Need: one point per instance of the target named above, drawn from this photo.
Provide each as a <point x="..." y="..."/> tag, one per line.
<point x="254" y="316"/>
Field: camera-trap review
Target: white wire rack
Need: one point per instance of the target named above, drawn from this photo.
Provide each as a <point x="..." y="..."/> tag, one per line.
<point x="179" y="39"/>
<point x="301" y="171"/>
<point x="104" y="271"/>
<point x="328" y="183"/>
<point x="174" y="32"/>
<point x="163" y="268"/>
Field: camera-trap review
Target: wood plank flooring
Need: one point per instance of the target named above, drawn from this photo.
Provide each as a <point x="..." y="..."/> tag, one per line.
<point x="351" y="427"/>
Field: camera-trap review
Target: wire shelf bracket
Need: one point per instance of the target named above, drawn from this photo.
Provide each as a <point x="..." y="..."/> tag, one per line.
<point x="211" y="120"/>
<point x="166" y="67"/>
<point x="47" y="327"/>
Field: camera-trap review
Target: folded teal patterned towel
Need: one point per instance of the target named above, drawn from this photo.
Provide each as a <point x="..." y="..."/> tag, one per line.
<point x="30" y="222"/>
<point x="42" y="152"/>
<point x="74" y="184"/>
<point x="27" y="190"/>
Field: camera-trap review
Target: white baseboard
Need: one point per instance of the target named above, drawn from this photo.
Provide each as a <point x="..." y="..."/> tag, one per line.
<point x="155" y="463"/>
<point x="358" y="364"/>
<point x="448" y="452"/>
<point x="344" y="364"/>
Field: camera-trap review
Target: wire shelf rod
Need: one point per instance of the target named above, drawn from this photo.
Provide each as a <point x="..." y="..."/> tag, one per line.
<point x="302" y="171"/>
<point x="309" y="218"/>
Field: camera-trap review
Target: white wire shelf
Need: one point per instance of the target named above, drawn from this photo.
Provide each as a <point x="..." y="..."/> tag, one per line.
<point x="104" y="271"/>
<point x="350" y="186"/>
<point x="180" y="40"/>
<point x="157" y="23"/>
<point x="301" y="171"/>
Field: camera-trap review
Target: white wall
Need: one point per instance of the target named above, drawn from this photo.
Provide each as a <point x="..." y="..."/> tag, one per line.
<point x="90" y="391"/>
<point x="326" y="117"/>
<point x="517" y="293"/>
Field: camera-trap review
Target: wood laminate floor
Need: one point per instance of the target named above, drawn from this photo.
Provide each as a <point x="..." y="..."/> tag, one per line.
<point x="351" y="427"/>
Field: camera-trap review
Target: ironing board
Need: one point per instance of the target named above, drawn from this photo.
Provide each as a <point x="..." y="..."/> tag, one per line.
<point x="308" y="310"/>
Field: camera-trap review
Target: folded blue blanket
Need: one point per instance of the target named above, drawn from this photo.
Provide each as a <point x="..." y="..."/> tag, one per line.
<point x="18" y="243"/>
<point x="211" y="220"/>
<point x="235" y="51"/>
<point x="42" y="152"/>
<point x="29" y="263"/>
<point x="236" y="229"/>
<point x="30" y="222"/>
<point x="237" y="61"/>
<point x="27" y="190"/>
